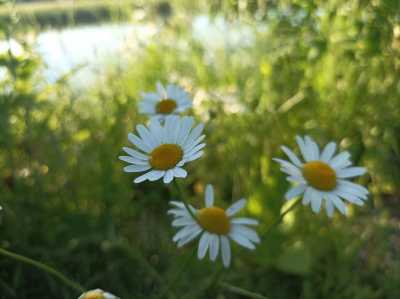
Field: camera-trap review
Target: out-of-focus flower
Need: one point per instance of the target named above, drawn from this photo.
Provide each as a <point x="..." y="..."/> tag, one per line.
<point x="166" y="101"/>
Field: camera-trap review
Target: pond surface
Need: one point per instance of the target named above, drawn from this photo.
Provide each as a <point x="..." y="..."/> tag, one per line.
<point x="83" y="50"/>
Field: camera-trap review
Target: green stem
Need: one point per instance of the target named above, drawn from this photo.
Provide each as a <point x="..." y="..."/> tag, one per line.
<point x="240" y="291"/>
<point x="43" y="267"/>
<point x="279" y="220"/>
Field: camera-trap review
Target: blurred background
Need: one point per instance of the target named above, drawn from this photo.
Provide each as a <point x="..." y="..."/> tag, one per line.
<point x="260" y="72"/>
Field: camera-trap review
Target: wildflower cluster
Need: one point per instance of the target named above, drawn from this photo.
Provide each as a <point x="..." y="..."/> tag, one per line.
<point x="169" y="141"/>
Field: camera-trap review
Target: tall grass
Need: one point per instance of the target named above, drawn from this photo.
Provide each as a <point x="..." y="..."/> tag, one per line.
<point x="328" y="69"/>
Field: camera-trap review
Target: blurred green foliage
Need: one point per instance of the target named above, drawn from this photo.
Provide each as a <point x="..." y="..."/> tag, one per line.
<point x="329" y="69"/>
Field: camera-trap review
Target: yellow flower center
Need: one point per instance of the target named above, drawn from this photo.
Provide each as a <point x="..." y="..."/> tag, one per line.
<point x="166" y="106"/>
<point x="214" y="220"/>
<point x="165" y="156"/>
<point x="320" y="175"/>
<point x="96" y="294"/>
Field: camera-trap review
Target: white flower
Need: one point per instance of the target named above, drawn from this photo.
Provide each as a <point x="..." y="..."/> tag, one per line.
<point x="164" y="149"/>
<point x="216" y="227"/>
<point x="166" y="101"/>
<point x="97" y="294"/>
<point x="322" y="177"/>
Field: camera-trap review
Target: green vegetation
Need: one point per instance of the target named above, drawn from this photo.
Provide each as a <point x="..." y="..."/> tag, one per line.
<point x="63" y="13"/>
<point x="330" y="69"/>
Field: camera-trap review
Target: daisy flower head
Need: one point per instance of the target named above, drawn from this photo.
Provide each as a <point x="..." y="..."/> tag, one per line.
<point x="322" y="177"/>
<point x="216" y="227"/>
<point x="168" y="100"/>
<point x="163" y="149"/>
<point x="97" y="294"/>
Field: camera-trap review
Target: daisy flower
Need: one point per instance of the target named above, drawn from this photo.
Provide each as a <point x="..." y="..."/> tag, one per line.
<point x="216" y="227"/>
<point x="166" y="101"/>
<point x="163" y="149"/>
<point x="323" y="177"/>
<point x="97" y="294"/>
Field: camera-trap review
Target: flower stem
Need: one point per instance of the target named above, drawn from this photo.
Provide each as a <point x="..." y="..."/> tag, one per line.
<point x="279" y="220"/>
<point x="240" y="291"/>
<point x="43" y="267"/>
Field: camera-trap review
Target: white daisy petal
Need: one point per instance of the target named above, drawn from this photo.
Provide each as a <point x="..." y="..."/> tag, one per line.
<point x="171" y="121"/>
<point x="329" y="207"/>
<point x="177" y="204"/>
<point x="288" y="168"/>
<point x="136" y="168"/>
<point x="338" y="203"/>
<point x="194" y="134"/>
<point x="246" y="221"/>
<point x="342" y="165"/>
<point x="156" y="130"/>
<point x="135" y="154"/>
<point x="186" y="125"/>
<point x="146" y="136"/>
<point x="214" y="247"/>
<point x="350" y="197"/>
<point x="295" y="191"/>
<point x="189" y="238"/>
<point x="241" y="240"/>
<point x="245" y="232"/>
<point x="316" y="201"/>
<point x="350" y="190"/>
<point x="139" y="143"/>
<point x="312" y="148"/>
<point x="179" y="172"/>
<point x="307" y="155"/>
<point x="169" y="176"/>
<point x="203" y="245"/>
<point x="293" y="158"/>
<point x="195" y="156"/>
<point x="236" y="207"/>
<point x="189" y="146"/>
<point x="109" y="296"/>
<point x="338" y="160"/>
<point x="296" y="180"/>
<point x="130" y="159"/>
<point x="226" y="251"/>
<point x="155" y="175"/>
<point x="195" y="150"/>
<point x="355" y="187"/>
<point x="328" y="152"/>
<point x="308" y="195"/>
<point x="178" y="212"/>
<point x="140" y="179"/>
<point x="209" y="196"/>
<point x="187" y="230"/>
<point x="161" y="90"/>
<point x="351" y="172"/>
<point x="183" y="221"/>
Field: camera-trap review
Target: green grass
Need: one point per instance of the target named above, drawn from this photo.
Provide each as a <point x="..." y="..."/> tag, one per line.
<point x="328" y="69"/>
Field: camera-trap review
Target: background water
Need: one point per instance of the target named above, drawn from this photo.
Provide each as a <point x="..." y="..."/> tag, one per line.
<point x="85" y="49"/>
